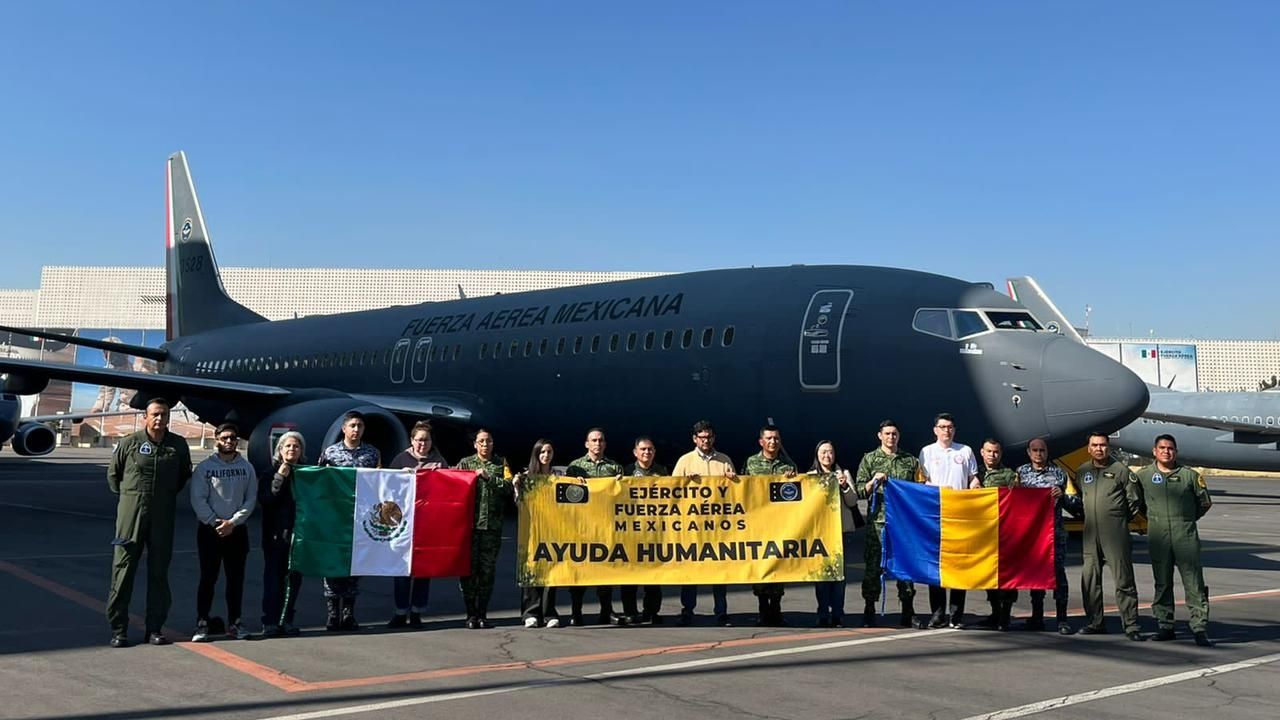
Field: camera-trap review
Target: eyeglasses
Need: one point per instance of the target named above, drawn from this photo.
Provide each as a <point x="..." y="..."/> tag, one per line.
<point x="228" y="438"/>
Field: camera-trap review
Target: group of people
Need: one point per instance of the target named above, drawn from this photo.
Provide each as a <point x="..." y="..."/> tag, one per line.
<point x="150" y="467"/>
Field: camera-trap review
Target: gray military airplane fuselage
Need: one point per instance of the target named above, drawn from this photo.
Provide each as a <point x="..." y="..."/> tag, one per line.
<point x="824" y="352"/>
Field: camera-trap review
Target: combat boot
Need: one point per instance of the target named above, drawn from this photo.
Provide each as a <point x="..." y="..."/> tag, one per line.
<point x="348" y="621"/>
<point x="332" y="605"/>
<point x="869" y="614"/>
<point x="1036" y="623"/>
<point x="908" y="614"/>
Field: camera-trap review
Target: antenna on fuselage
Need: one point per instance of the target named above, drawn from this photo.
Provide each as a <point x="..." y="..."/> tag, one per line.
<point x="461" y="295"/>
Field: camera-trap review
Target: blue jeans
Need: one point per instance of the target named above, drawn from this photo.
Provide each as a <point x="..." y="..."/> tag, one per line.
<point x="411" y="594"/>
<point x="830" y="597"/>
<point x="689" y="599"/>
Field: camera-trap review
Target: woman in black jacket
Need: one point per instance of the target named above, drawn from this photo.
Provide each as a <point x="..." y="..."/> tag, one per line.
<point x="280" y="585"/>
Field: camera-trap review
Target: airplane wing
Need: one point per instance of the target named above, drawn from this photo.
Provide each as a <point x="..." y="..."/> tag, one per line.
<point x="1240" y="428"/>
<point x="140" y="350"/>
<point x="78" y="417"/>
<point x="159" y="383"/>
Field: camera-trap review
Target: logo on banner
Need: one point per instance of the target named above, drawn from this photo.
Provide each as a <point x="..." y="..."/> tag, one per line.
<point x="384" y="521"/>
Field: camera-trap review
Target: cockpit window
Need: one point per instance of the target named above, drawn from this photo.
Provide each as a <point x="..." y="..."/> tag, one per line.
<point x="968" y="323"/>
<point x="932" y="322"/>
<point x="1012" y="320"/>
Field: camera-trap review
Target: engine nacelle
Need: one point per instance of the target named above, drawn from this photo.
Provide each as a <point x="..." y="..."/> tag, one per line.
<point x="320" y="422"/>
<point x="23" y="384"/>
<point x="34" y="439"/>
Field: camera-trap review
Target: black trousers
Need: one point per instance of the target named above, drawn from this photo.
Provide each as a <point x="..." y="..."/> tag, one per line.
<point x="604" y="594"/>
<point x="221" y="553"/>
<point x="280" y="585"/>
<point x="938" y="602"/>
<point x="539" y="602"/>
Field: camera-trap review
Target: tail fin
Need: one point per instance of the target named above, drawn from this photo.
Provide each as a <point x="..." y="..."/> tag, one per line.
<point x="1026" y="291"/>
<point x="196" y="300"/>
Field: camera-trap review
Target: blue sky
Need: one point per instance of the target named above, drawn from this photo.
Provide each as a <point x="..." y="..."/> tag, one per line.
<point x="1125" y="154"/>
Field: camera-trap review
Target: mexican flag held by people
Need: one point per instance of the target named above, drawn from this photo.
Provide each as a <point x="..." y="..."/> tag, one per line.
<point x="365" y="521"/>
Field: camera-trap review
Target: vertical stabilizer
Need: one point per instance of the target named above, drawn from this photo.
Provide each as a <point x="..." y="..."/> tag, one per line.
<point x="195" y="299"/>
<point x="1026" y="291"/>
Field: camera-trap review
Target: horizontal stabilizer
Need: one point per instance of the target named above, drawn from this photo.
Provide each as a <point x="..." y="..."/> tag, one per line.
<point x="166" y="385"/>
<point x="141" y="351"/>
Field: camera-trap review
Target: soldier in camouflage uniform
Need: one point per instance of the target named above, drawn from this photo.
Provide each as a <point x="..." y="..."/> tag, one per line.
<point x="594" y="464"/>
<point x="493" y="487"/>
<point x="771" y="460"/>
<point x="994" y="474"/>
<point x="1110" y="498"/>
<point x="146" y="471"/>
<point x="875" y="469"/>
<point x="1174" y="498"/>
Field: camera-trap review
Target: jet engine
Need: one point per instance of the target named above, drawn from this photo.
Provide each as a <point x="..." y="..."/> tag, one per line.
<point x="320" y="422"/>
<point x="34" y="439"/>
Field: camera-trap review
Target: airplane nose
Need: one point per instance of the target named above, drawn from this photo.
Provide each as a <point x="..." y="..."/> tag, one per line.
<point x="1086" y="391"/>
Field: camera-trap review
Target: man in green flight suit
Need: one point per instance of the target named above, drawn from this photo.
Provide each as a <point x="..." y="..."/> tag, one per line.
<point x="646" y="465"/>
<point x="592" y="465"/>
<point x="493" y="487"/>
<point x="1174" y="498"/>
<point x="1110" y="497"/>
<point x="994" y="474"/>
<point x="147" y="470"/>
<point x="874" y="470"/>
<point x="771" y="460"/>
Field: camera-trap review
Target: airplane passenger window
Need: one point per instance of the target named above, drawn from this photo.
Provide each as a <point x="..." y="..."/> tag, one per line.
<point x="668" y="339"/>
<point x="707" y="335"/>
<point x="631" y="342"/>
<point x="484" y="349"/>
<point x="577" y="345"/>
<point x="613" y="342"/>
<point x="457" y="349"/>
<point x="687" y="339"/>
<point x="515" y="345"/>
<point x="968" y="323"/>
<point x="932" y="321"/>
<point x="1012" y="320"/>
<point x="560" y="346"/>
<point x="727" y="338"/>
<point x="595" y="343"/>
<point x="497" y="349"/>
<point x="431" y="354"/>
<point x="542" y="347"/>
<point x="528" y="348"/>
<point x="648" y="340"/>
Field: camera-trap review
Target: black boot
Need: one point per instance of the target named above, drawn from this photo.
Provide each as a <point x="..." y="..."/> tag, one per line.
<point x="1006" y="615"/>
<point x="908" y="613"/>
<point x="1036" y="623"/>
<point x="348" y="621"/>
<point x="331" y="620"/>
<point x="1064" y="626"/>
<point x="869" y="614"/>
<point x="764" y="617"/>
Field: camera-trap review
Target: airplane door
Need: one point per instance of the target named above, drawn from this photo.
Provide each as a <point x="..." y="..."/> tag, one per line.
<point x="399" y="360"/>
<point x="820" y="335"/>
<point x="419" y="363"/>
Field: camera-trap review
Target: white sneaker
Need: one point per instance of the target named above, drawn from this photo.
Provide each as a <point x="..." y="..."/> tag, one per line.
<point x="553" y="623"/>
<point x="531" y="622"/>
<point x="233" y="631"/>
<point x="202" y="632"/>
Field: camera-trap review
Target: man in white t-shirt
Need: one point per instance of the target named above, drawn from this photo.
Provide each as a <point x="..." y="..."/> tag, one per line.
<point x="948" y="464"/>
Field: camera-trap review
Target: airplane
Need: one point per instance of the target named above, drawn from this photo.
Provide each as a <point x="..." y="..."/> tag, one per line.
<point x="821" y="351"/>
<point x="1223" y="430"/>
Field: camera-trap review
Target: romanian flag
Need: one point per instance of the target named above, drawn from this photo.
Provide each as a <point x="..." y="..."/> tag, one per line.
<point x="985" y="539"/>
<point x="365" y="521"/>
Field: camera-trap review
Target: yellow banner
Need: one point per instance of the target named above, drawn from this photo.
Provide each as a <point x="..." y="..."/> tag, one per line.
<point x="679" y="531"/>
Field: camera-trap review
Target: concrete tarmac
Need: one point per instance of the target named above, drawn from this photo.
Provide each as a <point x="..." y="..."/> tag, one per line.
<point x="56" y="521"/>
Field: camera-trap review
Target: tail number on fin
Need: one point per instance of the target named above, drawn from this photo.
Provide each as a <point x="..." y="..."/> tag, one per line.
<point x="193" y="264"/>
